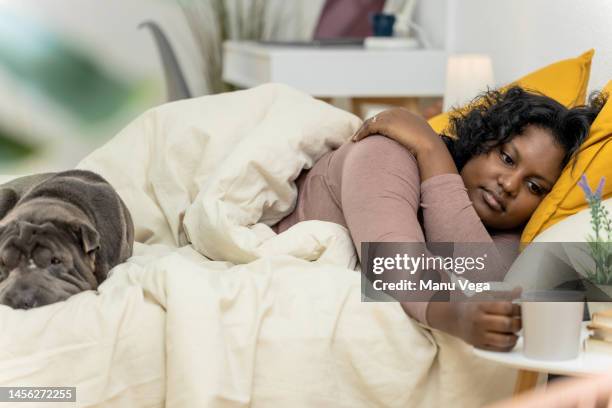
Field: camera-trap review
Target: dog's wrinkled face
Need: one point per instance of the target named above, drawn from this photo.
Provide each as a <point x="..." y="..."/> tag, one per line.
<point x="43" y="264"/>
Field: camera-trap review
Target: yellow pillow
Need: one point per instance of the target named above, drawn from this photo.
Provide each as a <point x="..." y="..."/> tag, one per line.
<point x="594" y="159"/>
<point x="565" y="81"/>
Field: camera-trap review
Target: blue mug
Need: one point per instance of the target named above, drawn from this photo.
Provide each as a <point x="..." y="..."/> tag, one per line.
<point x="382" y="24"/>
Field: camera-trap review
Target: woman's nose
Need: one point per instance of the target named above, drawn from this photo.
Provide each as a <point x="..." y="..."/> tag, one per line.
<point x="510" y="183"/>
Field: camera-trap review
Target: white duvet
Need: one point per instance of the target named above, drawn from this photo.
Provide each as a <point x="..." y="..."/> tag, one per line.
<point x="215" y="309"/>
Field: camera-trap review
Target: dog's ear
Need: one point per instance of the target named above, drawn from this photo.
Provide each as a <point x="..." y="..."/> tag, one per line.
<point x="89" y="237"/>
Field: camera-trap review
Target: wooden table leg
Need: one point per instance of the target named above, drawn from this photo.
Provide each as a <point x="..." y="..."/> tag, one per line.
<point x="525" y="380"/>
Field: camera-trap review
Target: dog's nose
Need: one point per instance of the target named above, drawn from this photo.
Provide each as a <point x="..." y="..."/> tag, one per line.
<point x="25" y="303"/>
<point x="22" y="299"/>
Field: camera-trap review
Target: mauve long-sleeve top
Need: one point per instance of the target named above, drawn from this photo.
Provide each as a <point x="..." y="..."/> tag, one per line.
<point x="373" y="188"/>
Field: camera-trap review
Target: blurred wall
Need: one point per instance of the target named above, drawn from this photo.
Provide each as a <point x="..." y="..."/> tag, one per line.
<point x="433" y="16"/>
<point x="522" y="35"/>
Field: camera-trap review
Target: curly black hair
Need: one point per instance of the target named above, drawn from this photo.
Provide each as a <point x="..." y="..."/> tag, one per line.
<point x="498" y="116"/>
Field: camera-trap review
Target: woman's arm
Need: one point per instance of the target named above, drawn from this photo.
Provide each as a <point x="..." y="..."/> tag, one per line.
<point x="448" y="215"/>
<point x="380" y="196"/>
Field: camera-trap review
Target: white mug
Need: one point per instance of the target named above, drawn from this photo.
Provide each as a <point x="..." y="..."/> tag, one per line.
<point x="552" y="328"/>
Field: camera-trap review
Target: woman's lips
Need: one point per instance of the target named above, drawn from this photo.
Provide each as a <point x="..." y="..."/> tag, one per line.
<point x="491" y="201"/>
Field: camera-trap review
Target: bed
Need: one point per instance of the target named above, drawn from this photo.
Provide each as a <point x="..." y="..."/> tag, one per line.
<point x="216" y="310"/>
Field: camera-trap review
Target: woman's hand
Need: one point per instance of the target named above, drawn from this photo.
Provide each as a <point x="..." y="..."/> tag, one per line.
<point x="403" y="126"/>
<point x="486" y="325"/>
<point x="489" y="325"/>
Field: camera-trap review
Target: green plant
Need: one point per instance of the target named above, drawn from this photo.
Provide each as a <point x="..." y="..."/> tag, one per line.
<point x="600" y="241"/>
<point x="63" y="82"/>
<point x="47" y="64"/>
<point x="12" y="149"/>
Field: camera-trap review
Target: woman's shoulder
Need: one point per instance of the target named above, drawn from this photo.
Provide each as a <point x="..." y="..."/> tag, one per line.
<point x="375" y="160"/>
<point x="380" y="142"/>
<point x="379" y="150"/>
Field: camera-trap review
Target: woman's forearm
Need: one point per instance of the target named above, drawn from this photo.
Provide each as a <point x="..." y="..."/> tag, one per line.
<point x="434" y="159"/>
<point x="443" y="316"/>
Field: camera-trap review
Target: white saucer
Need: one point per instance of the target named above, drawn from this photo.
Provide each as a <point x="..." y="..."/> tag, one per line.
<point x="586" y="363"/>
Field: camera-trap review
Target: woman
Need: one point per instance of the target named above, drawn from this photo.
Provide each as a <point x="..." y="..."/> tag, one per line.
<point x="480" y="183"/>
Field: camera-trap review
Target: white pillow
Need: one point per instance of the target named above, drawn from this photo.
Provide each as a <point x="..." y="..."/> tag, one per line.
<point x="4" y="178"/>
<point x="543" y="265"/>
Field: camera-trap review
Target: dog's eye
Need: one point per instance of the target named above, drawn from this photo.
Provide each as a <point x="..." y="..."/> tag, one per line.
<point x="56" y="261"/>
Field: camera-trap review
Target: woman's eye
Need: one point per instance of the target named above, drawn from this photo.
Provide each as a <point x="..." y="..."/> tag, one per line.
<point x="56" y="261"/>
<point x="535" y="189"/>
<point x="506" y="158"/>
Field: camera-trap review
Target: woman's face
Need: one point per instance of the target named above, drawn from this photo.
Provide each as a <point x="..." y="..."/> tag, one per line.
<point x="506" y="184"/>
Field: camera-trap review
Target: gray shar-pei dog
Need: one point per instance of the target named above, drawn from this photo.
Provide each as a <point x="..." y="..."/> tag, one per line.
<point x="60" y="234"/>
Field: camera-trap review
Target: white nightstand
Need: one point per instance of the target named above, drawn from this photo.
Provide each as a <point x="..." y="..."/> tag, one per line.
<point x="330" y="72"/>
